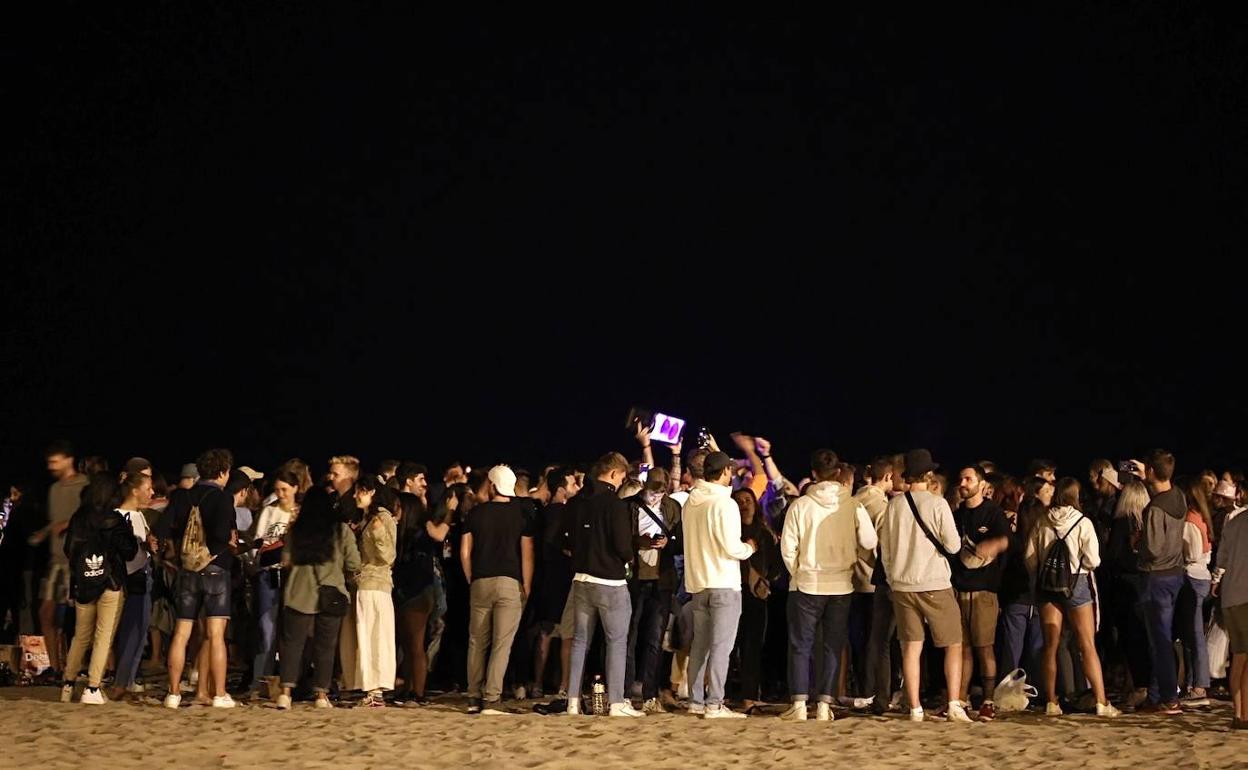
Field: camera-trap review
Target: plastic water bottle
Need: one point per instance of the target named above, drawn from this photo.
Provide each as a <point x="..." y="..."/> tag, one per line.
<point x="599" y="699"/>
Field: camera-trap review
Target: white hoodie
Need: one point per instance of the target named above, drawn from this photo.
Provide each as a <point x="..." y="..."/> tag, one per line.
<point x="822" y="531"/>
<point x="713" y="547"/>
<point x="1085" y="550"/>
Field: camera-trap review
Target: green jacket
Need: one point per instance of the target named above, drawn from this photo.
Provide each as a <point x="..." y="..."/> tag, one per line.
<point x="304" y="581"/>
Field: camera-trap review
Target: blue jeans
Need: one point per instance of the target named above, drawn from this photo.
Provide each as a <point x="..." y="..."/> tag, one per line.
<point x="806" y="614"/>
<point x="716" y="613"/>
<point x="268" y="604"/>
<point x="1160" y="592"/>
<point x="651" y="607"/>
<point x="132" y="635"/>
<point x="1022" y="639"/>
<point x="1192" y="632"/>
<point x="612" y="604"/>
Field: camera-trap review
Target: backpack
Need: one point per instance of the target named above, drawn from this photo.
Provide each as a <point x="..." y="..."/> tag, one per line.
<point x="1055" y="576"/>
<point x="194" y="549"/>
<point x="90" y="565"/>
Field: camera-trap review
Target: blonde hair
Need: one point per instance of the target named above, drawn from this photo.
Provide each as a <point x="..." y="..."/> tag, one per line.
<point x="352" y="464"/>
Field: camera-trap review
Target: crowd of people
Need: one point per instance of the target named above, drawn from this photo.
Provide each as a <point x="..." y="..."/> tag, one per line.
<point x="894" y="585"/>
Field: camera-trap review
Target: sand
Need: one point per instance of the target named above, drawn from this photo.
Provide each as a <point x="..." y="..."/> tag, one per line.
<point x="40" y="732"/>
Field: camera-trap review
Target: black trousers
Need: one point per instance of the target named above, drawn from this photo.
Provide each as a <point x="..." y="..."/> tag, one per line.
<point x="751" y="633"/>
<point x="296" y="628"/>
<point x="651" y="606"/>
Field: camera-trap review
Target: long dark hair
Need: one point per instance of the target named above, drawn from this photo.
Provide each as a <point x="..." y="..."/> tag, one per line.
<point x="1031" y="510"/>
<point x="314" y="535"/>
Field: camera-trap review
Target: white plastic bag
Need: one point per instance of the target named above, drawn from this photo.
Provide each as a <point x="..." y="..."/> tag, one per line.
<point x="1219" y="644"/>
<point x="1013" y="693"/>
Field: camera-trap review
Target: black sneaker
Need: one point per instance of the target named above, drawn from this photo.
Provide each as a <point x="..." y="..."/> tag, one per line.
<point x="474" y="705"/>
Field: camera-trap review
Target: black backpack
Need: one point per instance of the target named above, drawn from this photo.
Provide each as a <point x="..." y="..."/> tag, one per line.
<point x="91" y="564"/>
<point x="1054" y="575"/>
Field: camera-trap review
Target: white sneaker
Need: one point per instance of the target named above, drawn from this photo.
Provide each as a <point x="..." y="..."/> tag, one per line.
<point x="283" y="702"/>
<point x="682" y="691"/>
<point x="136" y="688"/>
<point x="624" y="709"/>
<point x="223" y="702"/>
<point x="863" y="703"/>
<point x="1052" y="710"/>
<point x="823" y="712"/>
<point x="574" y="706"/>
<point x="916" y="715"/>
<point x="93" y="697"/>
<point x="1107" y="710"/>
<point x="321" y="703"/>
<point x="173" y="700"/>
<point x="521" y="693"/>
<point x="67" y="693"/>
<point x="956" y="713"/>
<point x="653" y="706"/>
<point x="795" y="713"/>
<point x="697" y="709"/>
<point x="722" y="712"/>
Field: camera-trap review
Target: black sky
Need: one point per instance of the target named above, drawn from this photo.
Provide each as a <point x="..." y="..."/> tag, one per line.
<point x="292" y="230"/>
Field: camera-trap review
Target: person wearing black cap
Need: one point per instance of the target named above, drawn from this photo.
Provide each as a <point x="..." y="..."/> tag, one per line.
<point x="713" y="550"/>
<point x="917" y="534"/>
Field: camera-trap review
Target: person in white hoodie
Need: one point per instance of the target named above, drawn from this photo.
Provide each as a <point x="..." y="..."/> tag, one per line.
<point x="823" y="530"/>
<point x="713" y="550"/>
<point x="1065" y="522"/>
<point x="917" y="534"/>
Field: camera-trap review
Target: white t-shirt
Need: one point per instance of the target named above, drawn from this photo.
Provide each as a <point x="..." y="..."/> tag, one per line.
<point x="138" y="523"/>
<point x="272" y="524"/>
<point x="648" y="526"/>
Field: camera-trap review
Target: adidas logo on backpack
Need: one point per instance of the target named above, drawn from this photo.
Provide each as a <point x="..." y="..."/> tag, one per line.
<point x="95" y="566"/>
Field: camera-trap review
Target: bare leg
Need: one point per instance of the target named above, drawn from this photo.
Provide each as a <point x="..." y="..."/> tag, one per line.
<point x="1239" y="684"/>
<point x="541" y="653"/>
<point x="52" y="635"/>
<point x="158" y="657"/>
<point x="217" y="652"/>
<point x="968" y="667"/>
<point x="177" y="654"/>
<point x="1051" y="620"/>
<point x="1082" y="622"/>
<point x="953" y="671"/>
<point x="911" y="652"/>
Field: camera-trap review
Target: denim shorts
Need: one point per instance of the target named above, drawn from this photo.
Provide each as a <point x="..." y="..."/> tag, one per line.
<point x="1079" y="596"/>
<point x="207" y="590"/>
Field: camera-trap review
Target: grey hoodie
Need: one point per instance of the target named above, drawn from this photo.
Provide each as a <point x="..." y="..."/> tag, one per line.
<point x="1161" y="541"/>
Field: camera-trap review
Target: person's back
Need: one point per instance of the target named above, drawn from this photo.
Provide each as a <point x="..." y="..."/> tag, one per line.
<point x="1161" y="541"/>
<point x="819" y="542"/>
<point x="910" y="559"/>
<point x="713" y="547"/>
<point x="601" y="532"/>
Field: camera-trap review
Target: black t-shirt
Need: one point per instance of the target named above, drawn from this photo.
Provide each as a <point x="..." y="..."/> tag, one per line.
<point x="496" y="529"/>
<point x="983" y="522"/>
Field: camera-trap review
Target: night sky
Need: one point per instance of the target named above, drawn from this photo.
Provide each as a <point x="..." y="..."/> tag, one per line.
<point x="293" y="231"/>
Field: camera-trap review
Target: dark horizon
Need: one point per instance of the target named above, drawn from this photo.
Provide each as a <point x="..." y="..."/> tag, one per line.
<point x="321" y="231"/>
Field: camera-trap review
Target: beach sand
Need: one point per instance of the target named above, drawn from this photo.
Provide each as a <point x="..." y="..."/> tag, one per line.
<point x="40" y="732"/>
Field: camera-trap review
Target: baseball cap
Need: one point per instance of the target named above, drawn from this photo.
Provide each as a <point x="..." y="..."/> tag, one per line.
<point x="1225" y="489"/>
<point x="503" y="479"/>
<point x="714" y="464"/>
<point x="251" y="473"/>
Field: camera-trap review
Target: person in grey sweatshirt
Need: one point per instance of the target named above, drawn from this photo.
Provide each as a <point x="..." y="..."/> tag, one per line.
<point x="1161" y="561"/>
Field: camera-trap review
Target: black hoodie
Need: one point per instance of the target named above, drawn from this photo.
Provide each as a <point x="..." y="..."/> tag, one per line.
<point x="601" y="535"/>
<point x="1161" y="541"/>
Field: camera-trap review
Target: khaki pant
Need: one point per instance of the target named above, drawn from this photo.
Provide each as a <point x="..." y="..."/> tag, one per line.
<point x="496" y="609"/>
<point x="95" y="624"/>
